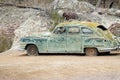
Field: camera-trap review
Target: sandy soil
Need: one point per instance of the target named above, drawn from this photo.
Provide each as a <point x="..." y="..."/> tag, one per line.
<point x="15" y="65"/>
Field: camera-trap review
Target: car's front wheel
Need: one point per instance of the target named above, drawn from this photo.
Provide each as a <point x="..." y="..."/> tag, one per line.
<point x="91" y="52"/>
<point x="32" y="50"/>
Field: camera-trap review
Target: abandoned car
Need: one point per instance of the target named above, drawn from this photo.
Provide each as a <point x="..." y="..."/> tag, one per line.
<point x="88" y="38"/>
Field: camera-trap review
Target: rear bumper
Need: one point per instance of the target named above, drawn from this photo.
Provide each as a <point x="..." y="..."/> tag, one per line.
<point x="109" y="49"/>
<point x="21" y="46"/>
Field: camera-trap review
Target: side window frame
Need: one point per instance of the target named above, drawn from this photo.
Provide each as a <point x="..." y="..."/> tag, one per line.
<point x="90" y="32"/>
<point x="73" y="33"/>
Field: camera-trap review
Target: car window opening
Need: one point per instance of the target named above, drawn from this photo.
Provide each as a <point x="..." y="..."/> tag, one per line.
<point x="60" y="30"/>
<point x="102" y="27"/>
<point x="86" y="31"/>
<point x="74" y="30"/>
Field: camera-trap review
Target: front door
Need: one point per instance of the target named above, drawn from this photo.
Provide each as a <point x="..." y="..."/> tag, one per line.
<point x="73" y="39"/>
<point x="57" y="42"/>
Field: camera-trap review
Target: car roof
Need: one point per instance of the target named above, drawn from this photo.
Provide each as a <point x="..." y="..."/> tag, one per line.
<point x="90" y="24"/>
<point x="82" y="23"/>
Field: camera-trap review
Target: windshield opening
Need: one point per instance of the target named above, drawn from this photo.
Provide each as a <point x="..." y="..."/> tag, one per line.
<point x="102" y="27"/>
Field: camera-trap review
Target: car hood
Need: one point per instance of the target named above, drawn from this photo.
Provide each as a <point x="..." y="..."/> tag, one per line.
<point x="43" y="35"/>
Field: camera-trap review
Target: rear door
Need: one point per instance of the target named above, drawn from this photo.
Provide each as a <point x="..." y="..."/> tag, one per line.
<point x="73" y="39"/>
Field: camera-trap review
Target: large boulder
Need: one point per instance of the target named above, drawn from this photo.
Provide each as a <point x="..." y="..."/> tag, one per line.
<point x="114" y="12"/>
<point x="75" y="9"/>
<point x="12" y="17"/>
<point x="115" y="29"/>
<point x="34" y="24"/>
<point x="95" y="17"/>
<point x="73" y="5"/>
<point x="80" y="16"/>
<point x="64" y="4"/>
<point x="20" y="22"/>
<point x="85" y="7"/>
<point x="108" y="20"/>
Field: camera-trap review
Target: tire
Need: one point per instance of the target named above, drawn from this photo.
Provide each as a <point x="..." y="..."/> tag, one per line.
<point x="91" y="52"/>
<point x="107" y="53"/>
<point x="32" y="50"/>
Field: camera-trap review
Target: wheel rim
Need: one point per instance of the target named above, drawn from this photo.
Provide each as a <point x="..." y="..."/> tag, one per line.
<point x="32" y="50"/>
<point x="91" y="52"/>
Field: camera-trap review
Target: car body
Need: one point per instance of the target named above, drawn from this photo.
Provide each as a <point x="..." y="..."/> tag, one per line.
<point x="71" y="37"/>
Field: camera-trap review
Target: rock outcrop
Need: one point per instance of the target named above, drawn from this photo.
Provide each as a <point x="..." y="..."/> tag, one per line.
<point x="73" y="5"/>
<point x="87" y="11"/>
<point x="114" y="12"/>
<point x="21" y="22"/>
<point x="34" y="24"/>
<point x="115" y="29"/>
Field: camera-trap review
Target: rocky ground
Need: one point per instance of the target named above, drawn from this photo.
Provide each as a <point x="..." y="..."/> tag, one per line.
<point x="15" y="65"/>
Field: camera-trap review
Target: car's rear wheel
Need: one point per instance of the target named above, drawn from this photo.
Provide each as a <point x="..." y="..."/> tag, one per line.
<point x="32" y="50"/>
<point x="91" y="52"/>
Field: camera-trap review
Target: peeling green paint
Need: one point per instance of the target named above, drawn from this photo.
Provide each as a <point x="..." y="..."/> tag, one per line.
<point x="72" y="37"/>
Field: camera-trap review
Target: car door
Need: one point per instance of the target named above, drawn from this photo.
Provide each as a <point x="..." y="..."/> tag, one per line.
<point x="57" y="42"/>
<point x="73" y="39"/>
<point x="88" y="37"/>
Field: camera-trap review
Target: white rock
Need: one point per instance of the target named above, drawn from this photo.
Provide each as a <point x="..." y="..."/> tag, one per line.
<point x="74" y="5"/>
<point x="34" y="24"/>
<point x="114" y="12"/>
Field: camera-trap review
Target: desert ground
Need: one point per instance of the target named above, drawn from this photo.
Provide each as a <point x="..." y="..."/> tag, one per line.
<point x="16" y="65"/>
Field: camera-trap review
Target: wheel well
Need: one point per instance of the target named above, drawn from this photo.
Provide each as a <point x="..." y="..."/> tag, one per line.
<point x="29" y="45"/>
<point x="90" y="48"/>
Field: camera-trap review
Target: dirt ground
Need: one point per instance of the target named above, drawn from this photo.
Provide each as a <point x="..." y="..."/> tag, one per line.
<point x="15" y="65"/>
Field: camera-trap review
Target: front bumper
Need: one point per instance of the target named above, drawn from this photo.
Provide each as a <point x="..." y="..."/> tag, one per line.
<point x="22" y="47"/>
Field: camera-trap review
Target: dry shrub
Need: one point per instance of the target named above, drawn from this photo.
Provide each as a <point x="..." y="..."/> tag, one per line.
<point x="5" y="42"/>
<point x="56" y="19"/>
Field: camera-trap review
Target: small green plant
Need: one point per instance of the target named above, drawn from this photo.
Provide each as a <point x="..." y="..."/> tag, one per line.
<point x="56" y="19"/>
<point x="5" y="43"/>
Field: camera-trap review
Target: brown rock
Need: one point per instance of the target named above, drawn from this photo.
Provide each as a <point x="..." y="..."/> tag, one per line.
<point x="115" y="29"/>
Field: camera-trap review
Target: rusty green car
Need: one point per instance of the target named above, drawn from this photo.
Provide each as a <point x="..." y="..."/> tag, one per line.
<point x="88" y="38"/>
